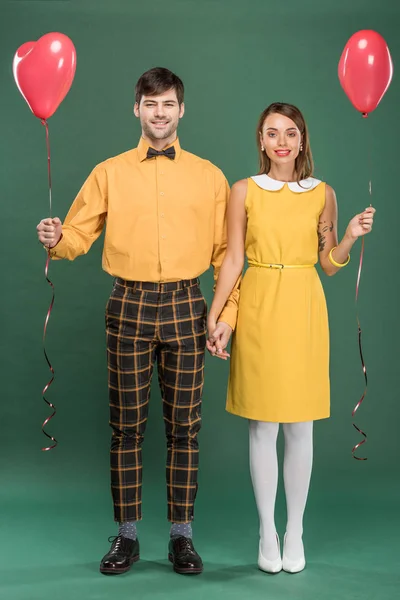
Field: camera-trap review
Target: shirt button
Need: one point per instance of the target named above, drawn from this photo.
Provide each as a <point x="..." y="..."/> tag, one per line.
<point x="163" y="237"/>
<point x="162" y="215"/>
<point x="162" y="173"/>
<point x="161" y="193"/>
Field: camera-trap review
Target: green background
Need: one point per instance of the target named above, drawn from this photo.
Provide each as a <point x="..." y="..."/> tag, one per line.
<point x="235" y="58"/>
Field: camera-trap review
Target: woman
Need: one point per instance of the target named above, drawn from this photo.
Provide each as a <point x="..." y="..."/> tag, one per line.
<point x="284" y="220"/>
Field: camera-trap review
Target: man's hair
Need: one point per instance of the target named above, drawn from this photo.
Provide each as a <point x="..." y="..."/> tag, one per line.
<point x="157" y="81"/>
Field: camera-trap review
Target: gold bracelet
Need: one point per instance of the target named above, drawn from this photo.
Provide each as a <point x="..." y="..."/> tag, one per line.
<point x="336" y="264"/>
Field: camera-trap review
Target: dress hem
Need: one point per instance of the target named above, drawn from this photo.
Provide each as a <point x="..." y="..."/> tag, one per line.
<point x="275" y="420"/>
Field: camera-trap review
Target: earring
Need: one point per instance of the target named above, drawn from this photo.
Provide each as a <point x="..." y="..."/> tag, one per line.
<point x="262" y="148"/>
<point x="301" y="147"/>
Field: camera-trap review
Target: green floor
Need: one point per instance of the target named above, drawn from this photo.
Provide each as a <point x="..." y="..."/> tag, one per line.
<point x="55" y="529"/>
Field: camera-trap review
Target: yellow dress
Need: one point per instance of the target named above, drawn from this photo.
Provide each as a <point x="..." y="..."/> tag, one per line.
<point x="280" y="350"/>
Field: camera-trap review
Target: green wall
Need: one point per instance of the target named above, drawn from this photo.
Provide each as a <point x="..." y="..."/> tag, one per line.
<point x="234" y="58"/>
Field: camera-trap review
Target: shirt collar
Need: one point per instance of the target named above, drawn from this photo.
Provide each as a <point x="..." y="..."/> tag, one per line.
<point x="273" y="185"/>
<point x="143" y="146"/>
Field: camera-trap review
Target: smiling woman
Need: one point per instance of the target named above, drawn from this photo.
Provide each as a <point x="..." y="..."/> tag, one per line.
<point x="285" y="220"/>
<point x="282" y="133"/>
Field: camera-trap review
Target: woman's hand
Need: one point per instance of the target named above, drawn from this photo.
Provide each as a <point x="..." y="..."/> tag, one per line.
<point x="361" y="224"/>
<point x="218" y="338"/>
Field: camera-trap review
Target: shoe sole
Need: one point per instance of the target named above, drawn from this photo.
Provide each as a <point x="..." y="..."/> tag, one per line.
<point x="106" y="571"/>
<point x="183" y="571"/>
<point x="269" y="572"/>
<point x="294" y="572"/>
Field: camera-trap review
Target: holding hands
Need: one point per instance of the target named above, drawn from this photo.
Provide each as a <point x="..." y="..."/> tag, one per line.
<point x="218" y="338"/>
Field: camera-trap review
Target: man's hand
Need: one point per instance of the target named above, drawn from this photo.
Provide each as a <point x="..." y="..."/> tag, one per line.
<point x="49" y="232"/>
<point x="218" y="339"/>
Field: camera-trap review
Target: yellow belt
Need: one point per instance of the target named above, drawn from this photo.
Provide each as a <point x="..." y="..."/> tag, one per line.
<point x="254" y="263"/>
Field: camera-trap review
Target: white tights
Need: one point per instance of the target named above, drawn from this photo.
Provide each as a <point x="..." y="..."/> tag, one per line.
<point x="297" y="468"/>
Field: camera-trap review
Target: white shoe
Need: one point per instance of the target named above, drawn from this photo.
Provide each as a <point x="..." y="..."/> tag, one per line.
<point x="292" y="566"/>
<point x="270" y="566"/>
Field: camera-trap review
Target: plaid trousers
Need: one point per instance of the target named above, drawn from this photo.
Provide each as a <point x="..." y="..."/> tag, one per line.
<point x="146" y="322"/>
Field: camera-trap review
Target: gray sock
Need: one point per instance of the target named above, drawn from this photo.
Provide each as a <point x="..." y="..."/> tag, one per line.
<point x="178" y="529"/>
<point x="128" y="530"/>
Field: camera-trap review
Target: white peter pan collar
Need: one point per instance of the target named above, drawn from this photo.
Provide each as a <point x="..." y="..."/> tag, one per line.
<point x="273" y="185"/>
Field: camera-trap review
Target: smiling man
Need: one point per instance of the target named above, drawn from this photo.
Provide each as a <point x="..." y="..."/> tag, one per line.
<point x="164" y="213"/>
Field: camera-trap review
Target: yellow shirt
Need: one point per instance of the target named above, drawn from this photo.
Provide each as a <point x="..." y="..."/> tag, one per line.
<point x="165" y="219"/>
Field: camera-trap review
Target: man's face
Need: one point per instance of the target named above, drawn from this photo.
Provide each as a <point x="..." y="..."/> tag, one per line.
<point x="159" y="115"/>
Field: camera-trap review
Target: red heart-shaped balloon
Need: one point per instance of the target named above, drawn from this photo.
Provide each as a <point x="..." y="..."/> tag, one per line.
<point x="365" y="70"/>
<point x="44" y="72"/>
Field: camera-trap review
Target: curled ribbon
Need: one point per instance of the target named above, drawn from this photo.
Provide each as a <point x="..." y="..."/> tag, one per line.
<point x="364" y="369"/>
<point x="46" y="273"/>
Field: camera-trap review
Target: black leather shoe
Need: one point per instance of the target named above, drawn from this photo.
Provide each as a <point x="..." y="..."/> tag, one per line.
<point x="184" y="557"/>
<point x="123" y="553"/>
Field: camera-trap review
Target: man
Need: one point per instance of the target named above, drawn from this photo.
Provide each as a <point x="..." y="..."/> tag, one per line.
<point x="164" y="211"/>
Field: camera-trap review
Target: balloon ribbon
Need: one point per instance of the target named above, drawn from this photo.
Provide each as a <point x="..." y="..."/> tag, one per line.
<point x="364" y="369"/>
<point x="46" y="273"/>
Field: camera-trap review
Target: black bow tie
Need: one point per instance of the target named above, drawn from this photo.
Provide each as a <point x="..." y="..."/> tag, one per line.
<point x="169" y="152"/>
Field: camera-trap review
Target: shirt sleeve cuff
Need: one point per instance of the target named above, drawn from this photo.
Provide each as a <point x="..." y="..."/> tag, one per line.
<point x="58" y="251"/>
<point x="229" y="316"/>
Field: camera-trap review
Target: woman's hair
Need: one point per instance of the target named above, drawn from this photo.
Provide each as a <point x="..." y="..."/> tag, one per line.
<point x="304" y="164"/>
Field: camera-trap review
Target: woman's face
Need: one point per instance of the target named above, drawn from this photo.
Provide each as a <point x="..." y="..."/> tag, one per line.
<point x="281" y="139"/>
